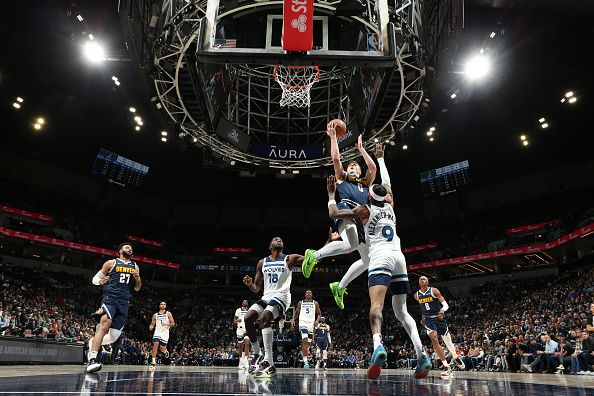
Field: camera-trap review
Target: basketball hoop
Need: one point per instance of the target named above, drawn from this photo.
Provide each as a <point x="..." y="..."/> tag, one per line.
<point x="296" y="82"/>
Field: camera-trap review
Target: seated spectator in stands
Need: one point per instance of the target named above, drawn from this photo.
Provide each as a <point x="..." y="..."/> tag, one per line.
<point x="566" y="350"/>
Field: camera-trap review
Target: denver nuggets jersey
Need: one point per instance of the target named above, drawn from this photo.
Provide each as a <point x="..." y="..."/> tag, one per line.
<point x="120" y="281"/>
<point x="308" y="311"/>
<point x="322" y="332"/>
<point x="380" y="230"/>
<point x="429" y="304"/>
<point x="277" y="277"/>
<point x="353" y="191"/>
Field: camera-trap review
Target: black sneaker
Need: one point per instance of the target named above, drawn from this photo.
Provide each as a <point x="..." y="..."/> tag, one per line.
<point x="93" y="366"/>
<point x="266" y="370"/>
<point x="166" y="353"/>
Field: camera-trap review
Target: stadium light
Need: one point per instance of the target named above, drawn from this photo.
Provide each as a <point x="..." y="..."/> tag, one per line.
<point x="91" y="37"/>
<point x="37" y="126"/>
<point x="404" y="147"/>
<point x="453" y="96"/>
<point x="568" y="94"/>
<point x="296" y="172"/>
<point x="562" y="100"/>
<point x="137" y="128"/>
<point x="163" y="139"/>
<point x="573" y="99"/>
<point x="477" y="67"/>
<point x="429" y="133"/>
<point x="541" y="120"/>
<point x="232" y="163"/>
<point x="79" y="17"/>
<point x="41" y="121"/>
<point x="94" y="52"/>
<point x="164" y="133"/>
<point x="19" y="99"/>
<point x="544" y="125"/>
<point x="432" y="129"/>
<point x="431" y="139"/>
<point x="137" y="119"/>
<point x="117" y="83"/>
<point x="525" y="142"/>
<point x="492" y="35"/>
<point x="195" y="140"/>
<point x="140" y="123"/>
<point x="523" y="137"/>
<point x="16" y="105"/>
<point x="132" y="109"/>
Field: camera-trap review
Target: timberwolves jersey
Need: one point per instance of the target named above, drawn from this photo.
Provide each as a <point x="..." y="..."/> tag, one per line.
<point x="277" y="277"/>
<point x="308" y="312"/>
<point x="352" y="191"/>
<point x="240" y="313"/>
<point x="428" y="303"/>
<point x="162" y="326"/>
<point x="380" y="230"/>
<point x="120" y="281"/>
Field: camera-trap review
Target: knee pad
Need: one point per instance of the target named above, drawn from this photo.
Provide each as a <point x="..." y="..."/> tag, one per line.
<point x="111" y="336"/>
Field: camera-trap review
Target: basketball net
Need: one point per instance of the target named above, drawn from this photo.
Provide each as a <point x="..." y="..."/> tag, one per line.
<point x="296" y="83"/>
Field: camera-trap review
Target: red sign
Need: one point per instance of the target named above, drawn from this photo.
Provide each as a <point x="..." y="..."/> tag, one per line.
<point x="507" y="252"/>
<point x="531" y="227"/>
<point x="420" y="247"/>
<point x="231" y="250"/>
<point x="24" y="213"/>
<point x="145" y="241"/>
<point x="297" y="25"/>
<point x="80" y="246"/>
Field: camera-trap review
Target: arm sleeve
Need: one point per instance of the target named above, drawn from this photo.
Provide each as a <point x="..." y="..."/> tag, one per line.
<point x="98" y="276"/>
<point x="384" y="171"/>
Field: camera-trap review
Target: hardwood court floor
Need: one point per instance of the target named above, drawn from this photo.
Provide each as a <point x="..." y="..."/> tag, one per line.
<point x="171" y="380"/>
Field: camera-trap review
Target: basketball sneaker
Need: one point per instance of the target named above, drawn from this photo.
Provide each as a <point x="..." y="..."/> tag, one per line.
<point x="308" y="263"/>
<point x="166" y="353"/>
<point x="93" y="366"/>
<point x="423" y="367"/>
<point x="338" y="293"/>
<point x="254" y="363"/>
<point x="459" y="363"/>
<point x="377" y="361"/>
<point x="266" y="370"/>
<point x="447" y="373"/>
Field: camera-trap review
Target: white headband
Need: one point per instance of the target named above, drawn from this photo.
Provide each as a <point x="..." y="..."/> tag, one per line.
<point x="378" y="198"/>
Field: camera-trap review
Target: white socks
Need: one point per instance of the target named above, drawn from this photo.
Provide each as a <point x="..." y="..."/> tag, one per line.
<point x="256" y="346"/>
<point x="267" y="338"/>
<point x="447" y="339"/>
<point x="350" y="241"/>
<point x="92" y="355"/>
<point x="377" y="340"/>
<point x="356" y="269"/>
<point x="399" y="307"/>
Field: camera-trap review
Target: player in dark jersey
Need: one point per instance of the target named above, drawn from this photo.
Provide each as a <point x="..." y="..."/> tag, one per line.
<point x="118" y="277"/>
<point x="323" y="342"/>
<point x="352" y="190"/>
<point x="433" y="306"/>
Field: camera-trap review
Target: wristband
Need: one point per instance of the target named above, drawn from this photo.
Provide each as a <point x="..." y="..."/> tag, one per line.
<point x="331" y="202"/>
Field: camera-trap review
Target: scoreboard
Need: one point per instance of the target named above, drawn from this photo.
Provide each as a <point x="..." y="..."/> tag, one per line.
<point x="119" y="170"/>
<point x="445" y="180"/>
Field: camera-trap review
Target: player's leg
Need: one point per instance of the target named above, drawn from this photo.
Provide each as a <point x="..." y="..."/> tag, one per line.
<point x="267" y="368"/>
<point x="104" y="325"/>
<point x="246" y="350"/>
<point x="252" y="331"/>
<point x="349" y="242"/>
<point x="304" y="330"/>
<point x="318" y="356"/>
<point x="325" y="356"/>
<point x="240" y="350"/>
<point x="154" y="351"/>
<point x="163" y="347"/>
<point x="377" y="293"/>
<point x="447" y="340"/>
<point x="432" y="332"/>
<point x="338" y="289"/>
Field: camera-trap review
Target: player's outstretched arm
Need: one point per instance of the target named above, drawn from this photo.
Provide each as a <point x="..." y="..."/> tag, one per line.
<point x="335" y="152"/>
<point x="293" y="260"/>
<point x="384" y="175"/>
<point x="101" y="277"/>
<point x="137" y="280"/>
<point x="371" y="168"/>
<point x="255" y="284"/>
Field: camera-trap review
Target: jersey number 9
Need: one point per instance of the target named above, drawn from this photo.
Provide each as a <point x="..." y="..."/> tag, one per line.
<point x="388" y="233"/>
<point x="125" y="278"/>
<point x="272" y="278"/>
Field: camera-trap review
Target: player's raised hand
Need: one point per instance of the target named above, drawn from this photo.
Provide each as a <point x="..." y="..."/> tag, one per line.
<point x="359" y="143"/>
<point x="135" y="274"/>
<point x="247" y="280"/>
<point x="104" y="280"/>
<point x="331" y="130"/>
<point x="379" y="150"/>
<point x="331" y="184"/>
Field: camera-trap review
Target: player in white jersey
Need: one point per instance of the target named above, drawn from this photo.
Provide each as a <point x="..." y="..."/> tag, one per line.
<point x="161" y="322"/>
<point x="273" y="273"/>
<point x="308" y="313"/>
<point x="387" y="269"/>
<point x="243" y="341"/>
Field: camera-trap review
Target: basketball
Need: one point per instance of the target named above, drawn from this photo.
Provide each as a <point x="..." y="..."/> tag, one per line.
<point x="340" y="126"/>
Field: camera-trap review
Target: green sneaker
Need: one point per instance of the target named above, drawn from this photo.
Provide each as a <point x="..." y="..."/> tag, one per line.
<point x="308" y="263"/>
<point x="338" y="293"/>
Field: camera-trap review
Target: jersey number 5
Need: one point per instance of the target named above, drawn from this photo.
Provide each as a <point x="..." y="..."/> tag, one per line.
<point x="388" y="233"/>
<point x="272" y="278"/>
<point x="125" y="278"/>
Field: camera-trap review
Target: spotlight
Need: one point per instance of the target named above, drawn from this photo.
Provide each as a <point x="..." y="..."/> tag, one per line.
<point x="568" y="94"/>
<point x="117" y="83"/>
<point x="283" y="171"/>
<point x="132" y="109"/>
<point x="137" y="128"/>
<point x="429" y="133"/>
<point x="94" y="52"/>
<point x="545" y="125"/>
<point x="573" y="99"/>
<point x="492" y="35"/>
<point x="453" y="96"/>
<point x="163" y="139"/>
<point x="232" y="163"/>
<point x="404" y="147"/>
<point x="431" y="139"/>
<point x="541" y="120"/>
<point x="431" y="129"/>
<point x="392" y="143"/>
<point x="523" y="137"/>
<point x="296" y="172"/>
<point x="195" y="140"/>
<point x="16" y="105"/>
<point x="164" y="133"/>
<point x="525" y="142"/>
<point x="562" y="100"/>
<point x="40" y="121"/>
<point x="416" y="118"/>
<point x="138" y="119"/>
<point x="79" y="17"/>
<point x="140" y="123"/>
<point x="19" y="99"/>
<point x="376" y="140"/>
<point x="114" y="78"/>
<point x="477" y="67"/>
<point x="37" y="126"/>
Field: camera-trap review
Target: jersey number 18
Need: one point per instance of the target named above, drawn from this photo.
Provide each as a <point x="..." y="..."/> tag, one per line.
<point x="272" y="278"/>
